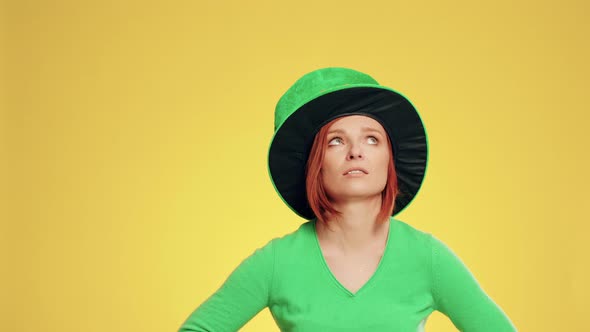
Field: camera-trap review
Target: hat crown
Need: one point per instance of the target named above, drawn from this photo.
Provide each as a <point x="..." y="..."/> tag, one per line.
<point x="315" y="84"/>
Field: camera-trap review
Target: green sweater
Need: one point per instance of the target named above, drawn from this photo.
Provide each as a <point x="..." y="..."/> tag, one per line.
<point x="417" y="274"/>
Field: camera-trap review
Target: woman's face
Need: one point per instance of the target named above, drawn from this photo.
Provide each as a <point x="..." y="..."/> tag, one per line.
<point x="356" y="159"/>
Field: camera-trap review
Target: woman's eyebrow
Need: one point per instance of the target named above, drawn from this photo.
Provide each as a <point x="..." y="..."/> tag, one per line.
<point x="371" y="129"/>
<point x="338" y="131"/>
<point x="363" y="129"/>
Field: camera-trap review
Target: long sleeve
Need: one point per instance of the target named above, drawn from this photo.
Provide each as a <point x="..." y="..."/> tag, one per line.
<point x="243" y="295"/>
<point x="458" y="295"/>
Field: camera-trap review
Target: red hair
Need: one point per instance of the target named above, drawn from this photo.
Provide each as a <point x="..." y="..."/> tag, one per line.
<point x="316" y="194"/>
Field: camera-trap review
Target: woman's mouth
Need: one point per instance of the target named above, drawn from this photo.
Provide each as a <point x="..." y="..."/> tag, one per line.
<point x="355" y="171"/>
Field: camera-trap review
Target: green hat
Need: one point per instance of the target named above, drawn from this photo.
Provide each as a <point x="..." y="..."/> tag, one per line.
<point x="329" y="93"/>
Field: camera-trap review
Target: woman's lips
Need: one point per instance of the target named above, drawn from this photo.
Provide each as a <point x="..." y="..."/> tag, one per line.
<point x="355" y="172"/>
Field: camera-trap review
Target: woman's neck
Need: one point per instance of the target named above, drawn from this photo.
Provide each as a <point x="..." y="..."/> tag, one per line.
<point x="357" y="228"/>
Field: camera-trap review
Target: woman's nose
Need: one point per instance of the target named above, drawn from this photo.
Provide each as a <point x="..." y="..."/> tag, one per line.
<point x="355" y="153"/>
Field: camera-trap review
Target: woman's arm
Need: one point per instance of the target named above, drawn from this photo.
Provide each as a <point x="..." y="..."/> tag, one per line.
<point x="458" y="295"/>
<point x="243" y="295"/>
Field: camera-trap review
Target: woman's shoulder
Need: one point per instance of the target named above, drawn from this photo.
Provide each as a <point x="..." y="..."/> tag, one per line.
<point x="409" y="232"/>
<point x="410" y="240"/>
<point x="417" y="239"/>
<point x="300" y="236"/>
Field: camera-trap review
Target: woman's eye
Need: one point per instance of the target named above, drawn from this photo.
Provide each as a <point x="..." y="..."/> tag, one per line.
<point x="335" y="141"/>
<point x="372" y="140"/>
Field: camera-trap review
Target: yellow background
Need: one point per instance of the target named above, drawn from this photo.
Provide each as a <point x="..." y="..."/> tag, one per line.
<point x="135" y="134"/>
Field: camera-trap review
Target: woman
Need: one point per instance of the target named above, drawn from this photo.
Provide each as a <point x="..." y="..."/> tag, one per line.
<point x="349" y="154"/>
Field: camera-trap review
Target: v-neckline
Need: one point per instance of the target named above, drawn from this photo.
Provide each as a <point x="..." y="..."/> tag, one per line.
<point x="337" y="282"/>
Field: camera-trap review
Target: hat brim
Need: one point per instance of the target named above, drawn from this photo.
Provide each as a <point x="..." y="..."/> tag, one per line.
<point x="292" y="141"/>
